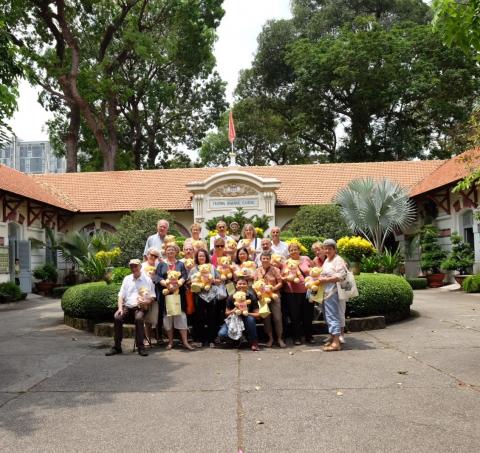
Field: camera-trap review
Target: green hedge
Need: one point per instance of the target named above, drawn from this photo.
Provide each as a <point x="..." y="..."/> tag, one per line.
<point x="417" y="283"/>
<point x="119" y="273"/>
<point x="380" y="294"/>
<point x="472" y="284"/>
<point x="97" y="301"/>
<point x="9" y="292"/>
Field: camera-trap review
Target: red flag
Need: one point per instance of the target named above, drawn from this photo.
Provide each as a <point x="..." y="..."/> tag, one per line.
<point x="231" y="128"/>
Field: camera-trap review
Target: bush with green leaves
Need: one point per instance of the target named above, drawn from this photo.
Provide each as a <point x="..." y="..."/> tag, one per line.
<point x="46" y="273"/>
<point x="319" y="220"/>
<point x="472" y="284"/>
<point x="432" y="254"/>
<point x="380" y="294"/>
<point x="96" y="301"/>
<point x="460" y="258"/>
<point x="370" y="264"/>
<point x="119" y="273"/>
<point x="134" y="229"/>
<point x="9" y="292"/>
<point x="417" y="283"/>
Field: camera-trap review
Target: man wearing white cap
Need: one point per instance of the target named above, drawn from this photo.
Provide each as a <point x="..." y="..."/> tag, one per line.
<point x="134" y="298"/>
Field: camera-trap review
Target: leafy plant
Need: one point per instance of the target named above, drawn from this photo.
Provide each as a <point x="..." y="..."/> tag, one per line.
<point x="460" y="258"/>
<point x="432" y="254"/>
<point x="134" y="229"/>
<point x="354" y="248"/>
<point x="239" y="216"/>
<point x="119" y="273"/>
<point x="319" y="220"/>
<point x="46" y="273"/>
<point x="472" y="284"/>
<point x="389" y="262"/>
<point x="10" y="292"/>
<point x="375" y="208"/>
<point x="370" y="264"/>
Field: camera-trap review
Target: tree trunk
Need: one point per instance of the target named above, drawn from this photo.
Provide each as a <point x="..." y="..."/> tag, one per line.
<point x="111" y="153"/>
<point x="71" y="139"/>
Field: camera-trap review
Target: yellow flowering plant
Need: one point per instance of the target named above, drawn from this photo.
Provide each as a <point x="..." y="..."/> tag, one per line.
<point x="354" y="248"/>
<point x="260" y="232"/>
<point x="303" y="249"/>
<point x="108" y="257"/>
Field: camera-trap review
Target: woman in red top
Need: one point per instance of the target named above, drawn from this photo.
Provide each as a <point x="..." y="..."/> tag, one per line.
<point x="299" y="308"/>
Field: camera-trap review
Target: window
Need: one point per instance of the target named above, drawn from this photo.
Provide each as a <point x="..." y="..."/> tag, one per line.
<point x="467" y="221"/>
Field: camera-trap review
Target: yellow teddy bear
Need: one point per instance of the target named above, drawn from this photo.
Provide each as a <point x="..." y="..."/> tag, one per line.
<point x="202" y="280"/>
<point x="246" y="269"/>
<point x="224" y="268"/>
<point x="241" y="303"/>
<point x="172" y="279"/>
<point x="311" y="282"/>
<point x="264" y="292"/>
<point x="291" y="271"/>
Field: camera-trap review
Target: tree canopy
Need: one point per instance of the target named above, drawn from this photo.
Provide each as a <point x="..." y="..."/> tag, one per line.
<point x="350" y="80"/>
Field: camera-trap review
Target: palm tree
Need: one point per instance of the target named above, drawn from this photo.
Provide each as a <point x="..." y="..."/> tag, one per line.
<point x="375" y="209"/>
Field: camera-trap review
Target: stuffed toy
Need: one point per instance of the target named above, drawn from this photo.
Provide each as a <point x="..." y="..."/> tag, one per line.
<point x="189" y="263"/>
<point x="149" y="270"/>
<point x="172" y="279"/>
<point x="291" y="271"/>
<point x="264" y="292"/>
<point x="224" y="267"/>
<point x="241" y="303"/>
<point x="277" y="260"/>
<point x="142" y="292"/>
<point x="311" y="282"/>
<point x="202" y="280"/>
<point x="246" y="270"/>
<point x="198" y="244"/>
<point x="169" y="239"/>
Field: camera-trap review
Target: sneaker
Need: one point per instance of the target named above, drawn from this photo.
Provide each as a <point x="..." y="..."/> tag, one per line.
<point x="297" y="342"/>
<point x="114" y="351"/>
<point x="254" y="346"/>
<point x="342" y="339"/>
<point x="310" y="340"/>
<point x="142" y="352"/>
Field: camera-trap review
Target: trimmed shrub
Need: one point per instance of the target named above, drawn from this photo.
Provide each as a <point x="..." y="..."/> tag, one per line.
<point x="380" y="294"/>
<point x="417" y="283"/>
<point x="119" y="273"/>
<point x="9" y="292"/>
<point x="46" y="273"/>
<point x="59" y="291"/>
<point x="134" y="229"/>
<point x="319" y="220"/>
<point x="96" y="301"/>
<point x="472" y="284"/>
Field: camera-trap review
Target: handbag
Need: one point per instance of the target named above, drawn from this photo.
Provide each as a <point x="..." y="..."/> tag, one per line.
<point x="230" y="287"/>
<point x="235" y="326"/>
<point x="347" y="289"/>
<point x="221" y="292"/>
<point x="173" y="304"/>
<point x="190" y="302"/>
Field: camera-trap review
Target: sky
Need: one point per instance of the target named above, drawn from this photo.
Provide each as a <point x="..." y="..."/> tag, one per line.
<point x="234" y="50"/>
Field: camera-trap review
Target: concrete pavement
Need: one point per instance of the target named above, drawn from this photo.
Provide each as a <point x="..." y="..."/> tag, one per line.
<point x="414" y="386"/>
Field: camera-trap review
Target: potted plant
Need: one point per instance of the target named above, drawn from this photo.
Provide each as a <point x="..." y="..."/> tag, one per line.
<point x="460" y="259"/>
<point x="354" y="249"/>
<point x="432" y="256"/>
<point x="47" y="274"/>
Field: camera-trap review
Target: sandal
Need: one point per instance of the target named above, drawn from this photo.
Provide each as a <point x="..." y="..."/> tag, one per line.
<point x="331" y="348"/>
<point x="169" y="346"/>
<point x="189" y="347"/>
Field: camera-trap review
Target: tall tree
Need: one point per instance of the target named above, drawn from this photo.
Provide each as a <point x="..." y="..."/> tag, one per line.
<point x="95" y="42"/>
<point x="359" y="80"/>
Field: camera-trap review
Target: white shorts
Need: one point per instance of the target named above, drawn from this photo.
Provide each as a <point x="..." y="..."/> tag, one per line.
<point x="178" y="321"/>
<point x="152" y="314"/>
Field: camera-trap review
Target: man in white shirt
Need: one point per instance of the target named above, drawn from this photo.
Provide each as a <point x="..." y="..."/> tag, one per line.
<point x="134" y="299"/>
<point x="266" y="245"/>
<point x="156" y="240"/>
<point x="279" y="247"/>
<point x="221" y="233"/>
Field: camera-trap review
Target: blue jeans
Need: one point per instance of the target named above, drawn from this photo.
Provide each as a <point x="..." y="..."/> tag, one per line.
<point x="331" y="312"/>
<point x="250" y="329"/>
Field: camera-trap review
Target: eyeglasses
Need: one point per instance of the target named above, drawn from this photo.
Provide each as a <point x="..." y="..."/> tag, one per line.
<point x="219" y="246"/>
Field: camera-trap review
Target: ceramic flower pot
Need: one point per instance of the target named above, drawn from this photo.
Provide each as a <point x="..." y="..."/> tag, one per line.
<point x="435" y="280"/>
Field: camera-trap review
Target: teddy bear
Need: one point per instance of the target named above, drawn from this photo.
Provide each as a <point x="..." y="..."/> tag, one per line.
<point x="241" y="303"/>
<point x="198" y="244"/>
<point x="291" y="271"/>
<point x="276" y="260"/>
<point x="202" y="280"/>
<point x="149" y="270"/>
<point x="172" y="279"/>
<point x="224" y="267"/>
<point x="264" y="292"/>
<point x="189" y="263"/>
<point x="142" y="292"/>
<point x="169" y="240"/>
<point x="311" y="282"/>
<point x="246" y="269"/>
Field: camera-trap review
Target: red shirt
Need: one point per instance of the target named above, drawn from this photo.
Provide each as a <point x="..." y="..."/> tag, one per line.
<point x="305" y="265"/>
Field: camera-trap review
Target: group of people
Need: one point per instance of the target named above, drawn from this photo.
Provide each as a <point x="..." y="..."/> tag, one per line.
<point x="221" y="289"/>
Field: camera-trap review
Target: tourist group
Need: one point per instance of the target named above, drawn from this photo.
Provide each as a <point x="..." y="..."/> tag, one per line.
<point x="222" y="289"/>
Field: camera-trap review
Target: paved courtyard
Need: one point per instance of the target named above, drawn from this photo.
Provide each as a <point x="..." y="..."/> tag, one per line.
<point x="413" y="387"/>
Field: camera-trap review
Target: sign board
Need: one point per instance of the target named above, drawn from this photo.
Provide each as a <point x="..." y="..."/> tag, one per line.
<point x="4" y="268"/>
<point x="228" y="203"/>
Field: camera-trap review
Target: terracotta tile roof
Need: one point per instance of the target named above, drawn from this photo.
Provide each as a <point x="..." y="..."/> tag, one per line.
<point x="166" y="189"/>
<point x="450" y="172"/>
<point x="19" y="183"/>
